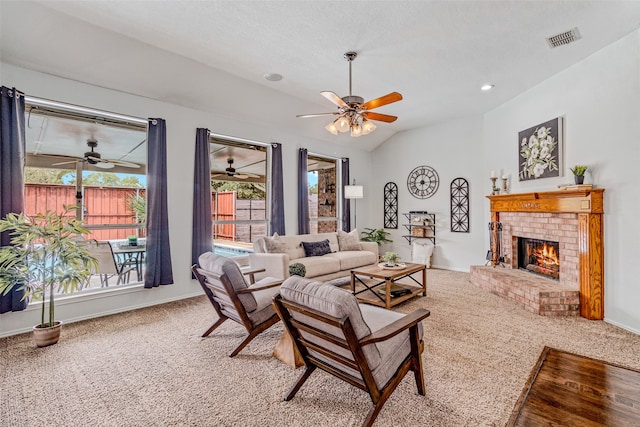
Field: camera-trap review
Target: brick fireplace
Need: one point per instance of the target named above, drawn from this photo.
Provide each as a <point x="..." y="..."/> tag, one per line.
<point x="573" y="219"/>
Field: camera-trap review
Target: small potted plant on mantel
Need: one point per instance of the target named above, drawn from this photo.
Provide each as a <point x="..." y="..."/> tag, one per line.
<point x="44" y="258"/>
<point x="578" y="173"/>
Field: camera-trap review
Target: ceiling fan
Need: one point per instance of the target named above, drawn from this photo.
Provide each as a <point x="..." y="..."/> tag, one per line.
<point x="94" y="158"/>
<point x="231" y="171"/>
<point x="355" y="115"/>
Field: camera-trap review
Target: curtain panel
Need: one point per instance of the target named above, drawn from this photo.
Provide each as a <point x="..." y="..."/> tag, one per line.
<point x="276" y="222"/>
<point x="159" y="270"/>
<point x="303" y="193"/>
<point x="202" y="234"/>
<point x="12" y="158"/>
<point x="346" y="203"/>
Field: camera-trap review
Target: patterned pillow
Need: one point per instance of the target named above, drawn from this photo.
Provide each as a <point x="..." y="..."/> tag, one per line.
<point x="316" y="248"/>
<point x="349" y="241"/>
<point x="273" y="245"/>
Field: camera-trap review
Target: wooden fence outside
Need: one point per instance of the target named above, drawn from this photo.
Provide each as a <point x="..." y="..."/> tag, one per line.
<point x="110" y="206"/>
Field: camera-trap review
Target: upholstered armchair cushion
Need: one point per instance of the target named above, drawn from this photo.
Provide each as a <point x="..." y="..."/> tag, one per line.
<point x="335" y="302"/>
<point x="222" y="265"/>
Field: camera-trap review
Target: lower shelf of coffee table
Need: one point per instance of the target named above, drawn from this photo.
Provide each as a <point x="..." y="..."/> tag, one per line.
<point x="369" y="298"/>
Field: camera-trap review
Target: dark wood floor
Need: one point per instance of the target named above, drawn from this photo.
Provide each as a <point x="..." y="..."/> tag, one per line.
<point x="570" y="390"/>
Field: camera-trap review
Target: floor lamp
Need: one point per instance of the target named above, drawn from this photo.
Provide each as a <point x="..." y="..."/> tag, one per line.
<point x="354" y="192"/>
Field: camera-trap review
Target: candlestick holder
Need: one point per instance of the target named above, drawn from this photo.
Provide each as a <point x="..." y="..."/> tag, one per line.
<point x="494" y="188"/>
<point x="504" y="185"/>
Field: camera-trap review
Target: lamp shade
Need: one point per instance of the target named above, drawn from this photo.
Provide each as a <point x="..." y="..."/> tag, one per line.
<point x="353" y="192"/>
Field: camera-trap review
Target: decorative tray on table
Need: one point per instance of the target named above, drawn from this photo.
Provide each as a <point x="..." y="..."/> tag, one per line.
<point x="398" y="266"/>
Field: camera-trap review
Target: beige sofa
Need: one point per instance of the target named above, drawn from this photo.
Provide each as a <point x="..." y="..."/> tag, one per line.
<point x="336" y="264"/>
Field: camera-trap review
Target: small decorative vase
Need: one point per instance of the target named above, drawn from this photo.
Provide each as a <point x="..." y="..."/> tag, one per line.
<point x="48" y="335"/>
<point x="579" y="179"/>
<point x="133" y="241"/>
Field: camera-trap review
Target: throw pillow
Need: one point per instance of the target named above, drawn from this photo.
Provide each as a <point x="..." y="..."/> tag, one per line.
<point x="316" y="248"/>
<point x="274" y="245"/>
<point x="349" y="241"/>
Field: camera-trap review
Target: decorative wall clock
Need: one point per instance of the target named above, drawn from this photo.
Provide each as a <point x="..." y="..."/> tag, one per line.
<point x="423" y="182"/>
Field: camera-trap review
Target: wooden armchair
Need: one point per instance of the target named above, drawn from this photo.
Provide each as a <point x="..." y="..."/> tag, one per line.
<point x="232" y="298"/>
<point x="369" y="347"/>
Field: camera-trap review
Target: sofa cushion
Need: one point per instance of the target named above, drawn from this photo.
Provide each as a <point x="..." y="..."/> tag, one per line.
<point x="349" y="241"/>
<point x="316" y="248"/>
<point x="319" y="265"/>
<point x="274" y="245"/>
<point x="353" y="259"/>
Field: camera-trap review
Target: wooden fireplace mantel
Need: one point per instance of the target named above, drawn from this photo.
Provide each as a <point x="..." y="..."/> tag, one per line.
<point x="589" y="206"/>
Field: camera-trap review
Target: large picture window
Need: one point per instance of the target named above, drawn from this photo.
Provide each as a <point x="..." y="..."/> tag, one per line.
<point x="239" y="194"/>
<point x="78" y="156"/>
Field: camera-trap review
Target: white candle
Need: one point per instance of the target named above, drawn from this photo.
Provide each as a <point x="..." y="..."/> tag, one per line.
<point x="505" y="177"/>
<point x="493" y="174"/>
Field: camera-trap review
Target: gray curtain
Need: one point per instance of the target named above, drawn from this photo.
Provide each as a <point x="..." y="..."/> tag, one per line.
<point x="12" y="158"/>
<point x="202" y="234"/>
<point x="159" y="270"/>
<point x="276" y="222"/>
<point x="346" y="203"/>
<point x="303" y="193"/>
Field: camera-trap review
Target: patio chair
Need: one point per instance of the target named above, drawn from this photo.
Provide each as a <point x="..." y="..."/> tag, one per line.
<point x="369" y="347"/>
<point x="232" y="298"/>
<point x="108" y="266"/>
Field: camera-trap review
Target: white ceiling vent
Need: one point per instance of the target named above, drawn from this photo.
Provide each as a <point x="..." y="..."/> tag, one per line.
<point x="564" y="38"/>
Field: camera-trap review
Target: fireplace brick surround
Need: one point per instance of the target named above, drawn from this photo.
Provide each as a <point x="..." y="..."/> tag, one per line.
<point x="573" y="218"/>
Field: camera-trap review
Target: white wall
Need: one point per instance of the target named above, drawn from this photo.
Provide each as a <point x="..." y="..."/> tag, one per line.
<point x="453" y="149"/>
<point x="181" y="128"/>
<point x="600" y="101"/>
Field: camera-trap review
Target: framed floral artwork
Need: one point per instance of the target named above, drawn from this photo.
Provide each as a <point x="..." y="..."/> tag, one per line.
<point x="540" y="150"/>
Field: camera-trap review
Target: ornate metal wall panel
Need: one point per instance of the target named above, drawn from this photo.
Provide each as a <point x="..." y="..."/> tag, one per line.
<point x="460" y="205"/>
<point x="390" y="205"/>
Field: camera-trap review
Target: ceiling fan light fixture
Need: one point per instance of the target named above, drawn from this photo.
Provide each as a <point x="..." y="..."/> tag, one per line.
<point x="331" y="127"/>
<point x="356" y="130"/>
<point x="367" y="126"/>
<point x="342" y="123"/>
<point x="104" y="165"/>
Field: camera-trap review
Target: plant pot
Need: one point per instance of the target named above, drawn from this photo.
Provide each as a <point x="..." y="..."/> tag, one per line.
<point x="579" y="179"/>
<point x="48" y="335"/>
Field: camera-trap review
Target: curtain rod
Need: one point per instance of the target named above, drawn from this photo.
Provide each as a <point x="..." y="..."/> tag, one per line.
<point x="309" y="153"/>
<point x="77" y="108"/>
<point x="235" y="138"/>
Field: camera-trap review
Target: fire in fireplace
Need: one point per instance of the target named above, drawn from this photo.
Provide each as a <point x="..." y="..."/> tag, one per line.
<point x="539" y="256"/>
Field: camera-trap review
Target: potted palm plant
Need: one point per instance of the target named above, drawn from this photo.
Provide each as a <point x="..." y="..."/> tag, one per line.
<point x="377" y="235"/>
<point x="44" y="258"/>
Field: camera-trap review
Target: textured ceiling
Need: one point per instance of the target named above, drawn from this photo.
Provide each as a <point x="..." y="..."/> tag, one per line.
<point x="211" y="55"/>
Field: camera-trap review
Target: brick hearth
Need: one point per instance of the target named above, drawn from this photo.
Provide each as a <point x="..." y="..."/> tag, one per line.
<point x="534" y="293"/>
<point x="573" y="218"/>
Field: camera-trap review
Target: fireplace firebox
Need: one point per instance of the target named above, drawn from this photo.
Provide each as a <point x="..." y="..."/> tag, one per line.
<point x="539" y="256"/>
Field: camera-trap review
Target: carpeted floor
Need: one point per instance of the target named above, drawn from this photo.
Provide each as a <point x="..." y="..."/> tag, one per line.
<point x="150" y="367"/>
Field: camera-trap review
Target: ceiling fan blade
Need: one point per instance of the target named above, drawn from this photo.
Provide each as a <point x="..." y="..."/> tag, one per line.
<point x="317" y="114"/>
<point x="334" y="98"/>
<point x="383" y="100"/>
<point x="251" y="175"/>
<point x="65" y="163"/>
<point x="123" y="164"/>
<point x="369" y="115"/>
<point x="240" y="176"/>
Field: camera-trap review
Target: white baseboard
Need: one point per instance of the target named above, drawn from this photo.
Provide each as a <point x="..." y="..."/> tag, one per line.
<point x="621" y="326"/>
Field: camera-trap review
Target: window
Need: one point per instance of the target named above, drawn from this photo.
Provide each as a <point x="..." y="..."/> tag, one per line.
<point x="239" y="194"/>
<point x="78" y="156"/>
<point x="322" y="179"/>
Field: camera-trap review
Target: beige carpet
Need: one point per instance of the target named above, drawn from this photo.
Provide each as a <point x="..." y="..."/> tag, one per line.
<point x="151" y="368"/>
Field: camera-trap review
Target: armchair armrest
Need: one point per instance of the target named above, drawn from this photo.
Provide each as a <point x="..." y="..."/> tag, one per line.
<point x="251" y="272"/>
<point x="396" y="327"/>
<point x="259" y="288"/>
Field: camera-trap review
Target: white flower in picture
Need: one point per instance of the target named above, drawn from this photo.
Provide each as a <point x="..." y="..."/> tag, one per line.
<point x="539" y="151"/>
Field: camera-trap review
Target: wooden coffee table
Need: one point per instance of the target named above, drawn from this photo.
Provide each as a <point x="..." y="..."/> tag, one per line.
<point x="385" y="281"/>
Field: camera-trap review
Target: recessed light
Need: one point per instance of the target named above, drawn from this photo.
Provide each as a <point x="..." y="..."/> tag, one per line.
<point x="487" y="86"/>
<point x="273" y="77"/>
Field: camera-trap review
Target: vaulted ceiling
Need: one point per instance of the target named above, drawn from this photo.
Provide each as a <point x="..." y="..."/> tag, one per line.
<point x="212" y="55"/>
